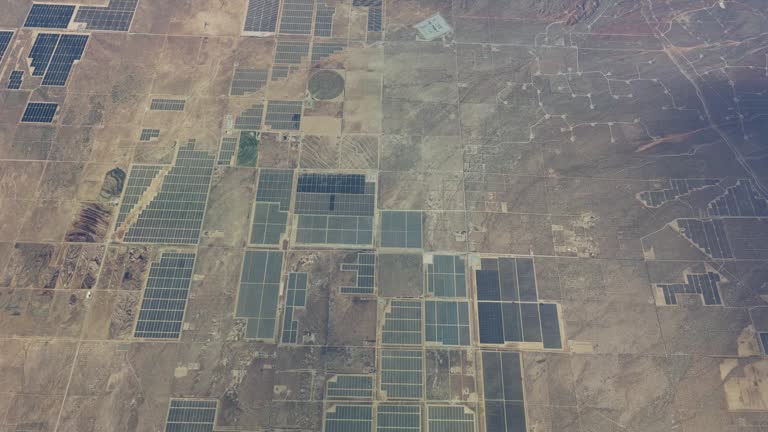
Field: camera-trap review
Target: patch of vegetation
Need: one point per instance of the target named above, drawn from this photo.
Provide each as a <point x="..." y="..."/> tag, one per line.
<point x="247" y="151"/>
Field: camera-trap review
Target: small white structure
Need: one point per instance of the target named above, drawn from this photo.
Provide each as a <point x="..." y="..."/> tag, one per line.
<point x="433" y="27"/>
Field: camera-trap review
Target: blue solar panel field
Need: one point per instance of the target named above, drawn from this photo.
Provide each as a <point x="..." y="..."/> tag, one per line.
<point x="39" y="112"/>
<point x="42" y="51"/>
<point x="50" y="16"/>
<point x="69" y="50"/>
<point x="5" y="40"/>
<point x="14" y="80"/>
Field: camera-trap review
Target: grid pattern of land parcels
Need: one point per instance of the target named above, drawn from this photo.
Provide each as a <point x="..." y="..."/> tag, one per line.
<point x="382" y="215"/>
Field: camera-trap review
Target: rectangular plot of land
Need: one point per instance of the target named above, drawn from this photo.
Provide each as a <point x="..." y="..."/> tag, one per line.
<point x="116" y="16"/>
<point x="227" y="150"/>
<point x="450" y="419"/>
<point x="39" y="112"/>
<point x="401" y="229"/>
<point x="295" y="297"/>
<point x="167" y="104"/>
<point x="446" y="276"/>
<point x="42" y="51"/>
<point x="402" y="323"/>
<point x="526" y="280"/>
<point x="14" y="80"/>
<point x="401" y="374"/>
<point x="321" y="50"/>
<point x="365" y="267"/>
<point x="505" y="416"/>
<point x="261" y="16"/>
<point x="68" y="51"/>
<point x="191" y="415"/>
<point x="282" y="115"/>
<point x="447" y="322"/>
<point x="487" y="282"/>
<point x="174" y="214"/>
<point x="268" y="224"/>
<point x="290" y="52"/>
<point x="349" y="418"/>
<point x="374" y="19"/>
<point x="149" y="134"/>
<point x="165" y="297"/>
<point x="490" y="323"/>
<point x="529" y="313"/>
<point x="398" y="418"/>
<point x="342" y="387"/>
<point x="250" y="119"/>
<point x="550" y="326"/>
<point x="297" y="17"/>
<point x="503" y="389"/>
<point x="49" y="16"/>
<point x="259" y="291"/>
<point x="275" y="185"/>
<point x="324" y="20"/>
<point x="247" y="81"/>
<point x="502" y="376"/>
<point x="335" y="209"/>
<point x="5" y="40"/>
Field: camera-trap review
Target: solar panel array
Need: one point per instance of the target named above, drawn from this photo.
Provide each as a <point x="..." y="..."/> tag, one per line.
<point x="401" y="374"/>
<point x="739" y="200"/>
<point x="42" y="51"/>
<point x="116" y="16"/>
<point x="227" y="150"/>
<point x="324" y="20"/>
<point x="165" y="297"/>
<point x="676" y="189"/>
<point x="15" y="79"/>
<point x="191" y="415"/>
<point x="167" y="104"/>
<point x="261" y="16"/>
<point x="446" y="276"/>
<point x="250" y="119"/>
<point x="175" y="214"/>
<point x="149" y="134"/>
<point x="5" y="40"/>
<point x="508" y="304"/>
<point x="335" y="209"/>
<point x="321" y="50"/>
<point x="259" y="292"/>
<point x="295" y="298"/>
<point x="398" y="418"/>
<point x="503" y="391"/>
<point x="139" y="179"/>
<point x="247" y="81"/>
<point x="451" y="419"/>
<point x="402" y="323"/>
<point x="447" y="322"/>
<point x="39" y="112"/>
<point x="69" y="49"/>
<point x="349" y="418"/>
<point x="703" y="284"/>
<point x="284" y="115"/>
<point x="49" y="16"/>
<point x="273" y="200"/>
<point x="374" y="19"/>
<point x="290" y="52"/>
<point x="281" y="71"/>
<point x="401" y="229"/>
<point x="707" y="235"/>
<point x="365" y="267"/>
<point x="297" y="17"/>
<point x="343" y="387"/>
